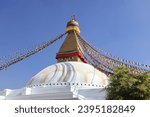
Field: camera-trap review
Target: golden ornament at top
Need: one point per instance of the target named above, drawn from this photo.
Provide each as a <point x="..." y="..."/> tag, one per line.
<point x="73" y="25"/>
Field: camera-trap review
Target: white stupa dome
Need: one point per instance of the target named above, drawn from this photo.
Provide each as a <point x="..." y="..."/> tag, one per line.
<point x="69" y="72"/>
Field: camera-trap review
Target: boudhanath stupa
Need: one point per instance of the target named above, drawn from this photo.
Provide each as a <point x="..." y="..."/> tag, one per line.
<point x="71" y="78"/>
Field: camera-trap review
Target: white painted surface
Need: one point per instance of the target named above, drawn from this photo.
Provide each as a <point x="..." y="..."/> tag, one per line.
<point x="76" y="72"/>
<point x="66" y="80"/>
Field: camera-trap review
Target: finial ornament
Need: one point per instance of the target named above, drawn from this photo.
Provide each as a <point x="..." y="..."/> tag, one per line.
<point x="73" y="17"/>
<point x="73" y="25"/>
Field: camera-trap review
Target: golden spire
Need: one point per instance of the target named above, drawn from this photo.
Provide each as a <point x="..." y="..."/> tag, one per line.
<point x="71" y="50"/>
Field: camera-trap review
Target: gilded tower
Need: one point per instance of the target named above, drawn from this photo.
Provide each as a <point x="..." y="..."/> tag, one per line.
<point x="71" y="50"/>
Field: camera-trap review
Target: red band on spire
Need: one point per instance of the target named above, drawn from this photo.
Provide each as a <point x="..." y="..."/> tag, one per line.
<point x="72" y="54"/>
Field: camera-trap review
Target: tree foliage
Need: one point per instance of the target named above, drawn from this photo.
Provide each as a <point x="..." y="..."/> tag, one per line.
<point x="126" y="86"/>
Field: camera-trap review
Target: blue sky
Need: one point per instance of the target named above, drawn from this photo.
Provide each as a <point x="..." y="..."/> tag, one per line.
<point x="120" y="27"/>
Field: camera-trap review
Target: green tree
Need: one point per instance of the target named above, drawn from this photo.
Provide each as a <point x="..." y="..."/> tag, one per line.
<point x="126" y="86"/>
